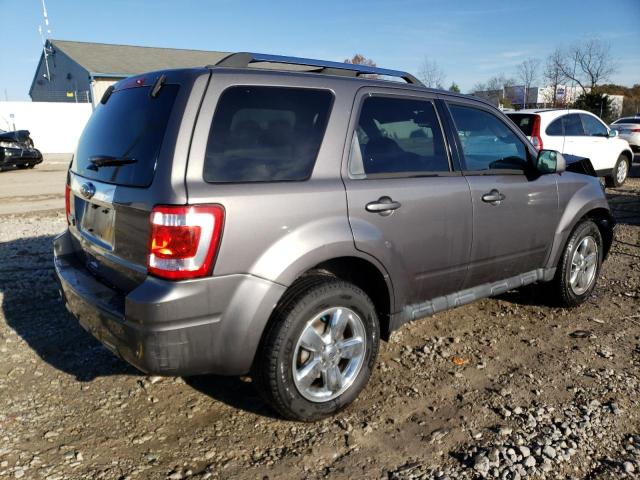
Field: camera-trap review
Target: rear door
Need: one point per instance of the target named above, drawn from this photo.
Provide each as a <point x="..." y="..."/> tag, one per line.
<point x="514" y="212"/>
<point x="597" y="136"/>
<point x="123" y="166"/>
<point x="407" y="206"/>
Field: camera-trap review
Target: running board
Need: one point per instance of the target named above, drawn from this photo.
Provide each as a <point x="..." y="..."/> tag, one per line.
<point x="446" y="302"/>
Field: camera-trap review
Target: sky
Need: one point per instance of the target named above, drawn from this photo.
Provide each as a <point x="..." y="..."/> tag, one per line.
<point x="471" y="40"/>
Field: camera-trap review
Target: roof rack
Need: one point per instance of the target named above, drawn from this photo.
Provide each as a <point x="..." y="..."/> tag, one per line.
<point x="243" y="59"/>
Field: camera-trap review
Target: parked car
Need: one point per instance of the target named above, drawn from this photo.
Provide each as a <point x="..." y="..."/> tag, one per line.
<point x="236" y="220"/>
<point x="578" y="133"/>
<point x="17" y="150"/>
<point x="629" y="129"/>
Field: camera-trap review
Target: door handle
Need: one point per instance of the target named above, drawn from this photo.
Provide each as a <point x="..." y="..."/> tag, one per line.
<point x="384" y="206"/>
<point x="494" y="197"/>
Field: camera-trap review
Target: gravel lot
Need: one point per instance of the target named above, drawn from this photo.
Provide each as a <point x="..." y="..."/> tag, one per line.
<point x="503" y="388"/>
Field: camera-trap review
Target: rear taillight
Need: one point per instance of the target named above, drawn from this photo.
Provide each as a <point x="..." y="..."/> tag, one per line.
<point x="536" y="139"/>
<point x="635" y="130"/>
<point x="67" y="203"/>
<point x="184" y="240"/>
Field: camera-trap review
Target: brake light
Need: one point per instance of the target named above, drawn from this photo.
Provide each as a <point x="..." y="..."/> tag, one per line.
<point x="67" y="203"/>
<point x="184" y="240"/>
<point x="635" y="130"/>
<point x="536" y="139"/>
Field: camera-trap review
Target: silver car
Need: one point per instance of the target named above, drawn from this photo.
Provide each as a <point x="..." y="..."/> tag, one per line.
<point x="629" y="129"/>
<point x="237" y="220"/>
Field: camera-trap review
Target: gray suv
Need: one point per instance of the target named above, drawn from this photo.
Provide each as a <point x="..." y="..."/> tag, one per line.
<point x="246" y="218"/>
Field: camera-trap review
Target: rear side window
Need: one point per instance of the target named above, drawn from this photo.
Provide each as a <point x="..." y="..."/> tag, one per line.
<point x="523" y="121"/>
<point x="572" y="125"/>
<point x="266" y="134"/>
<point x="122" y="139"/>
<point x="593" y="126"/>
<point x="398" y="135"/>
<point x="555" y="128"/>
<point x="487" y="142"/>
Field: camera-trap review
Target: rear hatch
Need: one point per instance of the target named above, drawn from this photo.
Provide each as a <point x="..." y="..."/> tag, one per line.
<point x="124" y="165"/>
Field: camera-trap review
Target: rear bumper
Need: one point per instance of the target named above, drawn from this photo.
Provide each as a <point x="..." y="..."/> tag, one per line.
<point x="209" y="325"/>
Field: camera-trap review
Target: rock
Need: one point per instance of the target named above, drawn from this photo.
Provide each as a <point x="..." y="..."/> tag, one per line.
<point x="19" y="473"/>
<point x="549" y="451"/>
<point x="481" y="465"/>
<point x="504" y="431"/>
<point x="628" y="467"/>
<point x="529" y="462"/>
<point x="524" y="451"/>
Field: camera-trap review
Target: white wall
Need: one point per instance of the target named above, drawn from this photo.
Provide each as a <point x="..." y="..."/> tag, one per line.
<point x="55" y="127"/>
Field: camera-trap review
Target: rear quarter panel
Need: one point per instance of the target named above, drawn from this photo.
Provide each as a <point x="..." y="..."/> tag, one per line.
<point x="278" y="230"/>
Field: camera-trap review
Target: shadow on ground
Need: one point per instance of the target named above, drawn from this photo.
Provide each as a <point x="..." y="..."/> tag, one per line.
<point x="32" y="307"/>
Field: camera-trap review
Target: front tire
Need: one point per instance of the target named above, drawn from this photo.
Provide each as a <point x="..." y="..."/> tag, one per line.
<point x="319" y="350"/>
<point x="620" y="172"/>
<point x="579" y="266"/>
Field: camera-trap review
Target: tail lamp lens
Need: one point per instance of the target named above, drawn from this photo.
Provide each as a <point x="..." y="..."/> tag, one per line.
<point x="184" y="240"/>
<point x="67" y="202"/>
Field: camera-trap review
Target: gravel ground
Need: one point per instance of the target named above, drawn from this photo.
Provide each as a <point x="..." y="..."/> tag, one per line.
<point x="504" y="388"/>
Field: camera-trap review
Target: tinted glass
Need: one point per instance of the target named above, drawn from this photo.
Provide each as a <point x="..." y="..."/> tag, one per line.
<point x="397" y="135"/>
<point x="266" y="134"/>
<point x="593" y="126"/>
<point x="555" y="127"/>
<point x="523" y="121"/>
<point x="572" y="125"/>
<point x="487" y="142"/>
<point x="635" y="120"/>
<point x="130" y="127"/>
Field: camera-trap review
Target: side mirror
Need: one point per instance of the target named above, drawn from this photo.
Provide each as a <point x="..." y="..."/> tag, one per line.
<point x="613" y="133"/>
<point x="550" y="161"/>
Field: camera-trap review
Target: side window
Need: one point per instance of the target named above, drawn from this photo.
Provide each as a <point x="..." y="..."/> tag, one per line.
<point x="572" y="125"/>
<point x="593" y="127"/>
<point x="397" y="135"/>
<point x="555" y="128"/>
<point x="487" y="142"/>
<point x="266" y="134"/>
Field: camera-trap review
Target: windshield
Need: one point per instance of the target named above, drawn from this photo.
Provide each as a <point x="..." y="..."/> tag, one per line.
<point x="122" y="139"/>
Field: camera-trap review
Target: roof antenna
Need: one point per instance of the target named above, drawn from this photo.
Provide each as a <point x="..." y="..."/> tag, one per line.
<point x="47" y="32"/>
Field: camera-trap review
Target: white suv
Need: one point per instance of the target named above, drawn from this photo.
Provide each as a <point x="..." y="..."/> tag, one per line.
<point x="579" y="133"/>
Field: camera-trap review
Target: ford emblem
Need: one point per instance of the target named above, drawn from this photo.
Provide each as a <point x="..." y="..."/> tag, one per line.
<point x="88" y="190"/>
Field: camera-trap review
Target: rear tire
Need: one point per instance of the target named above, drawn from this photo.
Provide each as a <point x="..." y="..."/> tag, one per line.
<point x="579" y="265"/>
<point x="319" y="349"/>
<point x="620" y="173"/>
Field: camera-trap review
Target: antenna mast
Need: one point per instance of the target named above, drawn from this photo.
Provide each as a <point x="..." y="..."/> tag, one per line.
<point x="47" y="32"/>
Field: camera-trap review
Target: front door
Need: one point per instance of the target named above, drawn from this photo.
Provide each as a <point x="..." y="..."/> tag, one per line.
<point x="407" y="207"/>
<point x="514" y="212"/>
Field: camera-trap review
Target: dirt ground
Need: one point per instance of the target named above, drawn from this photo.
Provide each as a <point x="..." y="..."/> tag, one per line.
<point x="540" y="392"/>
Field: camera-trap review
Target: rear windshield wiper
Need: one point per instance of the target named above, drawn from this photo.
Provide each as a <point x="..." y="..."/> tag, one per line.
<point x="108" y="161"/>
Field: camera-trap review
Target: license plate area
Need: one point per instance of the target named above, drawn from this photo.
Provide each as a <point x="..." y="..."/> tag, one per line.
<point x="97" y="224"/>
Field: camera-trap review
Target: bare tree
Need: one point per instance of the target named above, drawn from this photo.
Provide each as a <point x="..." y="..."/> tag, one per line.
<point x="554" y="75"/>
<point x="359" y="59"/>
<point x="528" y="73"/>
<point x="589" y="63"/>
<point x="431" y="74"/>
<point x="499" y="82"/>
<point x="479" y="87"/>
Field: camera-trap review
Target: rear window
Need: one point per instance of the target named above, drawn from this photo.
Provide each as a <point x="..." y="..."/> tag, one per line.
<point x="635" y="120"/>
<point x="122" y="139"/>
<point x="523" y="121"/>
<point x="266" y="134"/>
